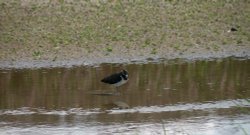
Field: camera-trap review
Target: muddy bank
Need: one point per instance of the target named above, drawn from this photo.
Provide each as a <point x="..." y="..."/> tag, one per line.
<point x="131" y="56"/>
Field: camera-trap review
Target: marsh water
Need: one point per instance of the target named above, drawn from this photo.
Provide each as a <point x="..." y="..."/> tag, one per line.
<point x="202" y="97"/>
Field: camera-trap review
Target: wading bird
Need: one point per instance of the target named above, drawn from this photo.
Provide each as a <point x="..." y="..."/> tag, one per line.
<point x="116" y="79"/>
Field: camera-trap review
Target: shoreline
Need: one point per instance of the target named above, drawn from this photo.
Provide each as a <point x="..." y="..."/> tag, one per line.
<point x="126" y="58"/>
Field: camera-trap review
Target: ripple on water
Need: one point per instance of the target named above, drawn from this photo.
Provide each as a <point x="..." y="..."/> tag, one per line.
<point x="204" y="125"/>
<point x="223" y="104"/>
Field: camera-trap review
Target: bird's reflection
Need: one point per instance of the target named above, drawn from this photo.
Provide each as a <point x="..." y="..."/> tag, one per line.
<point x="115" y="105"/>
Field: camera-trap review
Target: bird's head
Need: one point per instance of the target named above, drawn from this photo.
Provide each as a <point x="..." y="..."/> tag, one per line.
<point x="125" y="73"/>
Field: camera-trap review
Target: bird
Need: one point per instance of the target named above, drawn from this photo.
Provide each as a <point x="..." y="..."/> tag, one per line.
<point x="233" y="29"/>
<point x="116" y="79"/>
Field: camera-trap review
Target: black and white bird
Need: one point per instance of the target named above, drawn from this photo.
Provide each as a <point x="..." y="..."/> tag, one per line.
<point x="116" y="79"/>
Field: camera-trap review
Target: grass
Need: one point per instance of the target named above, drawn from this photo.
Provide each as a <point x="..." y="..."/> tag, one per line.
<point x="154" y="51"/>
<point x="109" y="49"/>
<point x="115" y="23"/>
<point x="37" y="54"/>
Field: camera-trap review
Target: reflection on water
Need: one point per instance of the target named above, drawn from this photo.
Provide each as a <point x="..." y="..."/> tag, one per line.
<point x="175" y="97"/>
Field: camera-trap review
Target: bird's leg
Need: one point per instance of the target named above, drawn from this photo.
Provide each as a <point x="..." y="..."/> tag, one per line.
<point x="116" y="91"/>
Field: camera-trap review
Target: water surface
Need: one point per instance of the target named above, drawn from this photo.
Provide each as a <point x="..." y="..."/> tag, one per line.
<point x="194" y="97"/>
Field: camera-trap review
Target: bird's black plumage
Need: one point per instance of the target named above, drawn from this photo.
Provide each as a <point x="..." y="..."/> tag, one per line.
<point x="233" y="29"/>
<point x="116" y="77"/>
<point x="112" y="79"/>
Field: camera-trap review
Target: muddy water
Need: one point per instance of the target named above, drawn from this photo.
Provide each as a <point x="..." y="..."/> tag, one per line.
<point x="199" y="97"/>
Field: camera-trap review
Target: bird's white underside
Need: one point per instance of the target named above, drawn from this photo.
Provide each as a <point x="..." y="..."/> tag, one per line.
<point x="120" y="83"/>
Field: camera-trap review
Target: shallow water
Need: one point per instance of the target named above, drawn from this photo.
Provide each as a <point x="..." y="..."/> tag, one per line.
<point x="178" y="97"/>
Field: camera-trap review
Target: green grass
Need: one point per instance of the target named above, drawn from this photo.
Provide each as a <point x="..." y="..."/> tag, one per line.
<point x="109" y="49"/>
<point x="37" y="54"/>
<point x="154" y="51"/>
<point x="134" y="24"/>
